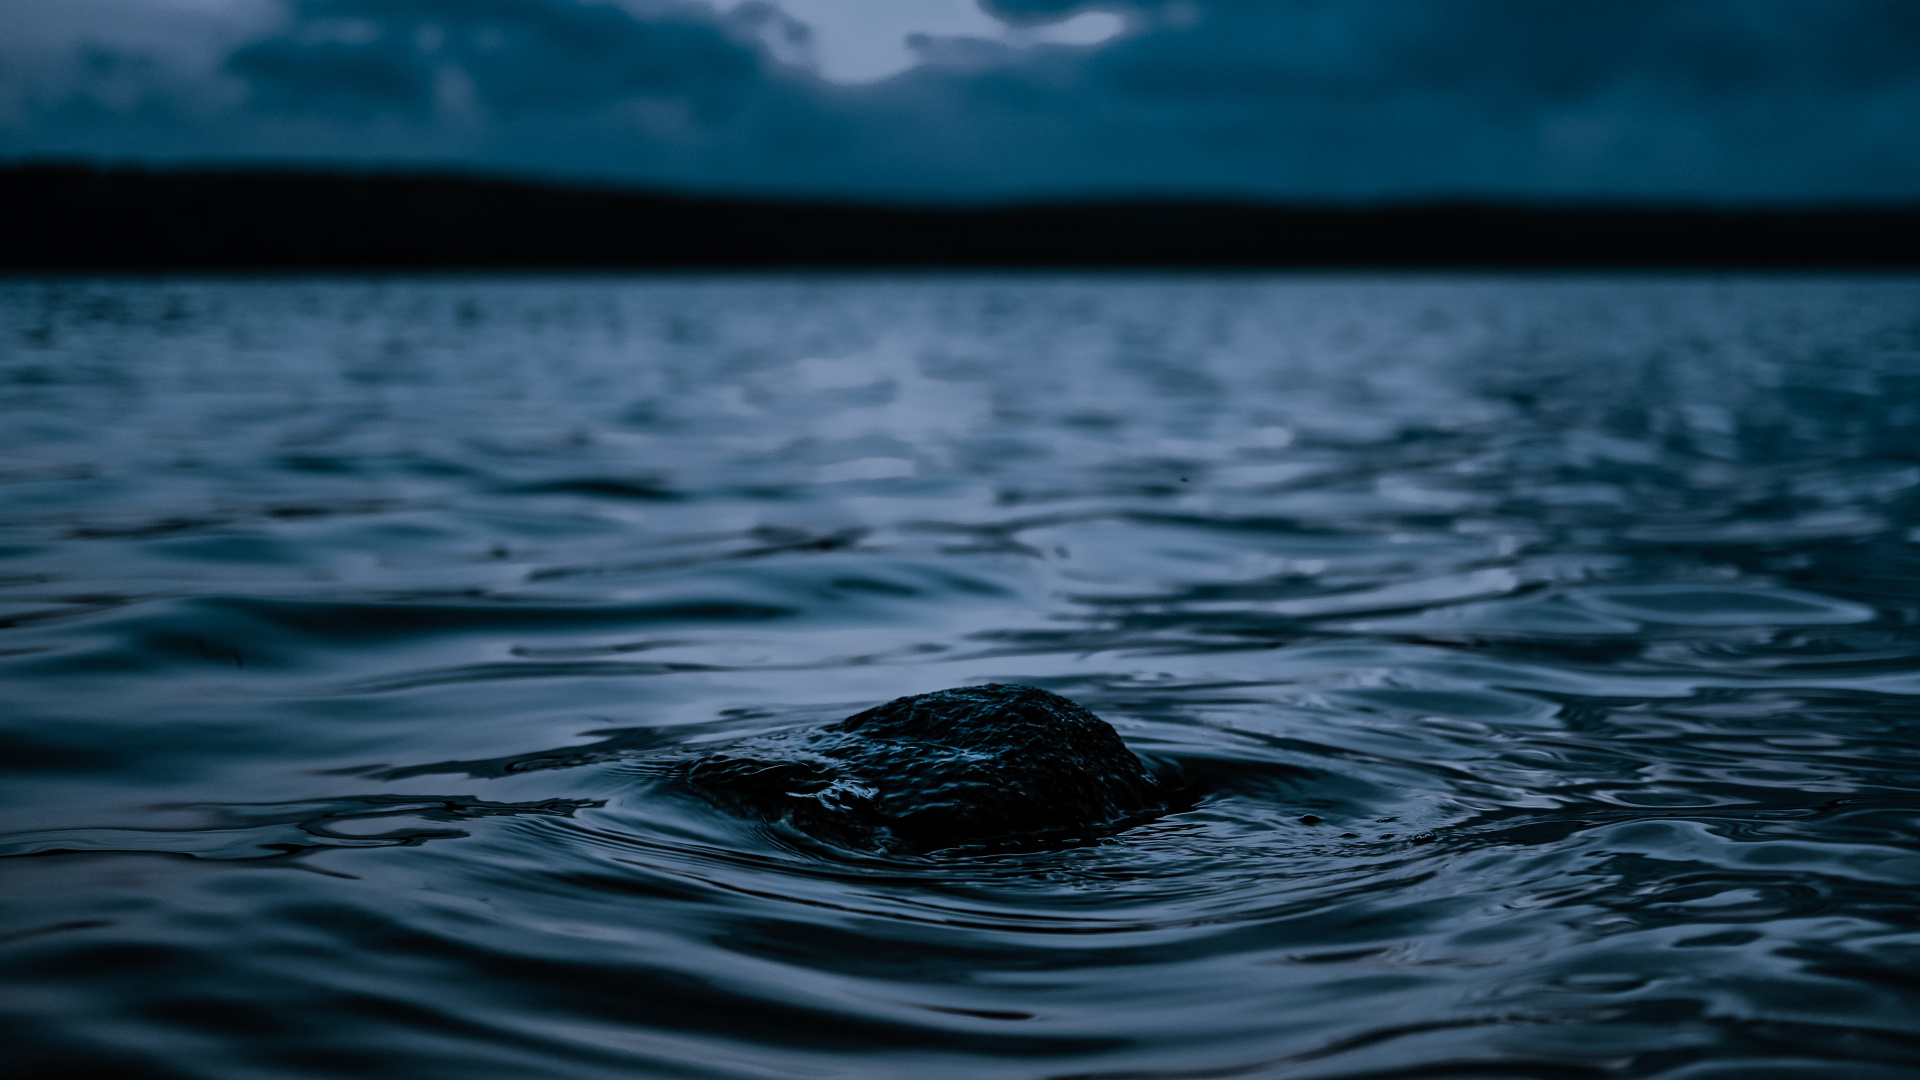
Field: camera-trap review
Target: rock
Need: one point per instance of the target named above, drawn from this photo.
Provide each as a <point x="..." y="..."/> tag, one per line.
<point x="991" y="767"/>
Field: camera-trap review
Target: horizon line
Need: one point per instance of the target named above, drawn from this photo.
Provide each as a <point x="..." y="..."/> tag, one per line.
<point x="1192" y="198"/>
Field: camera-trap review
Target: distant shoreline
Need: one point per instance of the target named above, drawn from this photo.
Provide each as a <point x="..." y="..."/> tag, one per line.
<point x="73" y="218"/>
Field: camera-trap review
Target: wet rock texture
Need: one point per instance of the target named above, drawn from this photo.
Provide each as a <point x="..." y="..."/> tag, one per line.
<point x="983" y="767"/>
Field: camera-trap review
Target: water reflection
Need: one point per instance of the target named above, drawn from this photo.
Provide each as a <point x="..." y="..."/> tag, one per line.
<point x="1545" y="650"/>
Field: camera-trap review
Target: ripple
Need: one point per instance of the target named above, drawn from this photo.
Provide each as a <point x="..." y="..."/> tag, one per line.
<point x="1692" y="605"/>
<point x="1539" y="656"/>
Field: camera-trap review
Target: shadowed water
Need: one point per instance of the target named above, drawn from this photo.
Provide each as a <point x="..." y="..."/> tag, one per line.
<point x="1546" y="651"/>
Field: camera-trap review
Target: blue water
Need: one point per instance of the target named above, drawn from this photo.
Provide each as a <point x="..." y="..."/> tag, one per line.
<point x="1548" y="649"/>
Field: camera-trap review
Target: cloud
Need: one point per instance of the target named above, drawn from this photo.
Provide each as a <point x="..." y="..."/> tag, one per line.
<point x="352" y="57"/>
<point x="1712" y="99"/>
<point x="862" y="41"/>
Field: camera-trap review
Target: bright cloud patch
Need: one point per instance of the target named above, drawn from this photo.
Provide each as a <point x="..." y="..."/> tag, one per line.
<point x="863" y="41"/>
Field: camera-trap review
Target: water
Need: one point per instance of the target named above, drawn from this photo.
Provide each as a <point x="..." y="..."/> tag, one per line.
<point x="1547" y="649"/>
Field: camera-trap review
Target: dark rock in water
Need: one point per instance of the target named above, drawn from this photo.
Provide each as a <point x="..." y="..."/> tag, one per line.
<point x="986" y="767"/>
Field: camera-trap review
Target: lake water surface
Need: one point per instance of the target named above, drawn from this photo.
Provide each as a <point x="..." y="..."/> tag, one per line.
<point x="1548" y="650"/>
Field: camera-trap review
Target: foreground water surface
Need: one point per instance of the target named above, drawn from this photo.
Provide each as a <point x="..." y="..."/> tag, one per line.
<point x="1547" y="651"/>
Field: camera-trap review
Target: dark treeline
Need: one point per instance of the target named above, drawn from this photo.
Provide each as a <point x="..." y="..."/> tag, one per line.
<point x="78" y="218"/>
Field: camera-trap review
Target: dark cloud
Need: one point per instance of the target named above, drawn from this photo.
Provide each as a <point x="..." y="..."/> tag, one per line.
<point x="1019" y="11"/>
<point x="1716" y="99"/>
<point x="516" y="56"/>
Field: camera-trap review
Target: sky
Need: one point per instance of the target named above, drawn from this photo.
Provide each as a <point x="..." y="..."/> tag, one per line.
<point x="1715" y="101"/>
